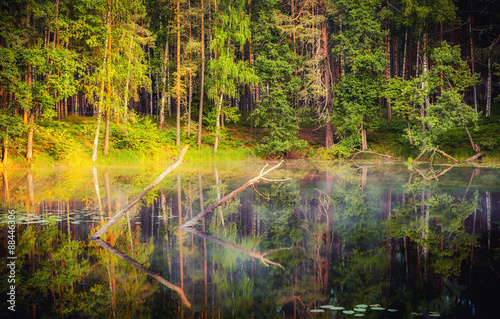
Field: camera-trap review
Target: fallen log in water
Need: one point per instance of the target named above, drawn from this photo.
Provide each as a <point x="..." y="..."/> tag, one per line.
<point x="197" y="218"/>
<point x="136" y="199"/>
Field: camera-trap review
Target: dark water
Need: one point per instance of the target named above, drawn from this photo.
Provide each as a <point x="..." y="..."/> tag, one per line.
<point x="415" y="243"/>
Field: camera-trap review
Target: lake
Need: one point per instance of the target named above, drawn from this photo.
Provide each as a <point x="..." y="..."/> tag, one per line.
<point x="337" y="240"/>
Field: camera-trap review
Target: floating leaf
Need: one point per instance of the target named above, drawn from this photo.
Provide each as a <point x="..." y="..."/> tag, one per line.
<point x="377" y="308"/>
<point x="316" y="310"/>
<point x="326" y="306"/>
<point x="375" y="305"/>
<point x="434" y="315"/>
<point x="337" y="308"/>
<point x="359" y="315"/>
<point x="392" y="310"/>
<point x="362" y="306"/>
<point x="360" y="309"/>
<point x="348" y="312"/>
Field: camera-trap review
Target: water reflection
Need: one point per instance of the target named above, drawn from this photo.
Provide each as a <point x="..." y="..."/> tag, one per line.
<point x="420" y="242"/>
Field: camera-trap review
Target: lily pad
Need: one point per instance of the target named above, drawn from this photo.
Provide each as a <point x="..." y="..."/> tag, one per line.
<point x="348" y="312"/>
<point x="326" y="306"/>
<point x="375" y="305"/>
<point x="434" y="315"/>
<point x="392" y="310"/>
<point x="377" y="308"/>
<point x="337" y="308"/>
<point x="360" y="309"/>
<point x="316" y="310"/>
<point x="362" y="306"/>
<point x="359" y="315"/>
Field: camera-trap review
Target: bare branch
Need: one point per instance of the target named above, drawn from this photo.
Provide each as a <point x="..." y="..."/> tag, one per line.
<point x="255" y="189"/>
<point x="219" y="241"/>
<point x="197" y="218"/>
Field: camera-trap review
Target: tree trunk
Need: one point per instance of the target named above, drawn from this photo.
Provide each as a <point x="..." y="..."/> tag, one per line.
<point x="409" y="130"/>
<point x="488" y="89"/>
<point x="96" y="138"/>
<point x="126" y="98"/>
<point x="5" y="154"/>
<point x="202" y="75"/>
<point x="405" y="49"/>
<point x="178" y="84"/>
<point x="29" y="146"/>
<point x="190" y="93"/>
<point x="101" y="98"/>
<point x="250" y="59"/>
<point x="388" y="73"/>
<point x="106" y="134"/>
<point x="474" y="91"/>
<point x="475" y="148"/>
<point x="326" y="77"/>
<point x="423" y="84"/>
<point x="164" y="88"/>
<point x="217" y="124"/>
<point x="364" y="145"/>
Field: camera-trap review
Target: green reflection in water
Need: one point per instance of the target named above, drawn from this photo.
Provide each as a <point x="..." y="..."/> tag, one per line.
<point x="346" y="235"/>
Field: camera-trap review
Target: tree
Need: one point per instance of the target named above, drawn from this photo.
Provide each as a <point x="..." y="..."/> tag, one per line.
<point x="232" y="29"/>
<point x="453" y="75"/>
<point x="361" y="48"/>
<point x="121" y="69"/>
<point x="275" y="65"/>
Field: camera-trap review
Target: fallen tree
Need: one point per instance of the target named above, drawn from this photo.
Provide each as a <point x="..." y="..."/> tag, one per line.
<point x="136" y="199"/>
<point x="373" y="153"/>
<point x="257" y="179"/>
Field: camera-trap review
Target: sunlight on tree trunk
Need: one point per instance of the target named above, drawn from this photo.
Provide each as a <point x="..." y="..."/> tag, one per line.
<point x="217" y="124"/>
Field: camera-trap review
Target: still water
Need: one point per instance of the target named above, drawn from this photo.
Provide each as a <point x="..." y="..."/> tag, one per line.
<point x="338" y="240"/>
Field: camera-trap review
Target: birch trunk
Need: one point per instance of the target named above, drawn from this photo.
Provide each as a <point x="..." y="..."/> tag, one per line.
<point x="217" y="124"/>
<point x="99" y="114"/>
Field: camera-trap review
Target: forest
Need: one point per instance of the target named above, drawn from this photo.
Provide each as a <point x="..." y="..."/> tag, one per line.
<point x="82" y="80"/>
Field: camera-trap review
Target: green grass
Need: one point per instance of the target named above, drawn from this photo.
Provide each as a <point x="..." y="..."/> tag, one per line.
<point x="139" y="142"/>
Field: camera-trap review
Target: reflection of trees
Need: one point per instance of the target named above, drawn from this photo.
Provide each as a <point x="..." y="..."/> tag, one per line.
<point x="357" y="237"/>
<point x="435" y="222"/>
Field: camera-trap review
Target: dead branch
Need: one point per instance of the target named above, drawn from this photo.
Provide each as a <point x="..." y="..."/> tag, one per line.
<point x="373" y="153"/>
<point x="255" y="189"/>
<point x="145" y="270"/>
<point x="433" y="150"/>
<point x="221" y="242"/>
<point x="441" y="152"/>
<point x="258" y="239"/>
<point x="272" y="251"/>
<point x="197" y="218"/>
<point x="475" y="157"/>
<point x="134" y="201"/>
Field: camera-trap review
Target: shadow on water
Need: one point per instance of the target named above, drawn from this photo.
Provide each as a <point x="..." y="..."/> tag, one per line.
<point x="385" y="241"/>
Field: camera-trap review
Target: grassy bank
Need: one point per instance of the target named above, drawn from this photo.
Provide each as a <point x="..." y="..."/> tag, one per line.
<point x="69" y="143"/>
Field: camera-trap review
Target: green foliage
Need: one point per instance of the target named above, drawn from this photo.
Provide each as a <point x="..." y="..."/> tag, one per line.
<point x="452" y="74"/>
<point x="336" y="151"/>
<point x="361" y="49"/>
<point x="275" y="66"/>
